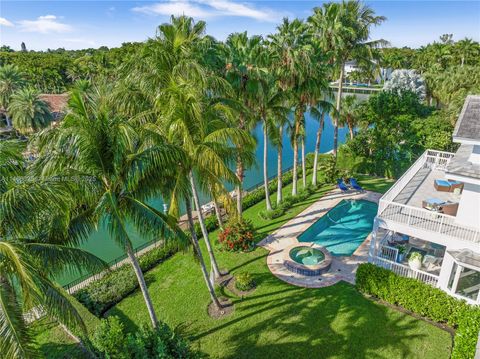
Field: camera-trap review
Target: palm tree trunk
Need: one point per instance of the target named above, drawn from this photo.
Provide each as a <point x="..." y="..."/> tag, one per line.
<point x="240" y="174"/>
<point x="265" y="167"/>
<point x="143" y="285"/>
<point x="198" y="252"/>
<point x="350" y="129"/>
<point x="295" y="154"/>
<point x="279" y="166"/>
<point x="304" y="170"/>
<point x="213" y="261"/>
<point x="217" y="212"/>
<point x="339" y="103"/>
<point x="9" y="123"/>
<point x="317" y="149"/>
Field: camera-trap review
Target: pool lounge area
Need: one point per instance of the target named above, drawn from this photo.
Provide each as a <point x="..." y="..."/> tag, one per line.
<point x="326" y="224"/>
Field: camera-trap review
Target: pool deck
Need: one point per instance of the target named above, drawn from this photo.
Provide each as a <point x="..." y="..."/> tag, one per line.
<point x="342" y="268"/>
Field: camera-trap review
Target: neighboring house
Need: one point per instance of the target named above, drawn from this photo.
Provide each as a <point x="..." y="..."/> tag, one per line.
<point x="57" y="104"/>
<point x="434" y="209"/>
<point x="382" y="75"/>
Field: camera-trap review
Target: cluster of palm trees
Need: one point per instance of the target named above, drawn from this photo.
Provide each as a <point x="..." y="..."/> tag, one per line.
<point x="176" y="123"/>
<point x="21" y="105"/>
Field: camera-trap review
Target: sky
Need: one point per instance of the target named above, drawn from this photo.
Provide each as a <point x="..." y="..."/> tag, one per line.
<point x="84" y="24"/>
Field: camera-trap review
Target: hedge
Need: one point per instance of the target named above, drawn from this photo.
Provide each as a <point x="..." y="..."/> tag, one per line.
<point x="287" y="203"/>
<point x="425" y="300"/>
<point x="104" y="293"/>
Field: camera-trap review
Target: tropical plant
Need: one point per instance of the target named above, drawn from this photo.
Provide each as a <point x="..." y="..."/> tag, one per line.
<point x="406" y="80"/>
<point x="28" y="111"/>
<point x="28" y="259"/>
<point x="11" y="80"/>
<point x="343" y="31"/>
<point x="118" y="170"/>
<point x="349" y="115"/>
<point x="467" y="49"/>
<point x="244" y="281"/>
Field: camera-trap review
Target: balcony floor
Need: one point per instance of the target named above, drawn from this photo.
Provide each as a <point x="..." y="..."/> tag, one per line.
<point x="421" y="188"/>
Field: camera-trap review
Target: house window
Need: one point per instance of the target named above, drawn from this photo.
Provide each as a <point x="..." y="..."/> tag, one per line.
<point x="468" y="283"/>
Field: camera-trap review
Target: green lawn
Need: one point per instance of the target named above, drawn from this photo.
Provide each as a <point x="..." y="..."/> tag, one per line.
<point x="280" y="320"/>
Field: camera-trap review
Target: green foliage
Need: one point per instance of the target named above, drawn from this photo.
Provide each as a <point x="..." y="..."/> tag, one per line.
<point x="111" y="341"/>
<point x="244" y="281"/>
<point x="238" y="235"/>
<point x="287" y="203"/>
<point x="211" y="223"/>
<point x="102" y="294"/>
<point x="426" y="301"/>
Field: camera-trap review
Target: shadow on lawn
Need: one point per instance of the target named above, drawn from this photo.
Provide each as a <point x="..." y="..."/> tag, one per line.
<point x="319" y="323"/>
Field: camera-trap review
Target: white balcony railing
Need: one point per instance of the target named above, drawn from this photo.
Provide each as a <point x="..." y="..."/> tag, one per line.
<point x="420" y="218"/>
<point x="405" y="271"/>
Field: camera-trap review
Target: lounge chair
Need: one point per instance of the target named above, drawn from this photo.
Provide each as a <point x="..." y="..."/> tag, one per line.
<point x="442" y="185"/>
<point x="343" y="187"/>
<point x="355" y="185"/>
<point x="455" y="184"/>
<point x="433" y="204"/>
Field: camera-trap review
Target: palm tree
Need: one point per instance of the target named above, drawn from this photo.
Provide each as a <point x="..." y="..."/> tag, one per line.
<point x="29" y="113"/>
<point x="243" y="70"/>
<point x="273" y="112"/>
<point x="11" y="80"/>
<point x="348" y="117"/>
<point x="343" y="30"/>
<point x="27" y="259"/>
<point x="119" y="169"/>
<point x="467" y="49"/>
<point x="319" y="111"/>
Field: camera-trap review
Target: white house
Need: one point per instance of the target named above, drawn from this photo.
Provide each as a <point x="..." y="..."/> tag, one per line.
<point x="382" y="75"/>
<point x="434" y="209"/>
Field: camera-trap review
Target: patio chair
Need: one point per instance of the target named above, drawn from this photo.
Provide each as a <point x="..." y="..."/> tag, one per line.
<point x="432" y="204"/>
<point x="455" y="184"/>
<point x="355" y="185"/>
<point x="442" y="185"/>
<point x="341" y="185"/>
<point x="449" y="208"/>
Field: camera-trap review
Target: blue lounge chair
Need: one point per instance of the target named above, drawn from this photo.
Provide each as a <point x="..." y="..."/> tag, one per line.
<point x="343" y="187"/>
<point x="355" y="185"/>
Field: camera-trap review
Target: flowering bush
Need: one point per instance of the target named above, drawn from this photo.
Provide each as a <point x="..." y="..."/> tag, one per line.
<point x="237" y="236"/>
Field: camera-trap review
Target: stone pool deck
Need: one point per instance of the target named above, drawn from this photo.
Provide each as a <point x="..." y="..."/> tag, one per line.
<point x="342" y="268"/>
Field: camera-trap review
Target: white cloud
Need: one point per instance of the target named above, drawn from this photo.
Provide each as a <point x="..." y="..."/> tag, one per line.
<point x="44" y="24"/>
<point x="5" y="22"/>
<point x="209" y="8"/>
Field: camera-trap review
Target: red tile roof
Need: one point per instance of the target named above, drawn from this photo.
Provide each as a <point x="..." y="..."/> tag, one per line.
<point x="57" y="103"/>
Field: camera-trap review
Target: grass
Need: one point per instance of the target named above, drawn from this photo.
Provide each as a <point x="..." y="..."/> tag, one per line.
<point x="280" y="320"/>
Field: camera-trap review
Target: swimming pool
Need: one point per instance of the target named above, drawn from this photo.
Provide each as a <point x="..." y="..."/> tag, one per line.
<point x="344" y="228"/>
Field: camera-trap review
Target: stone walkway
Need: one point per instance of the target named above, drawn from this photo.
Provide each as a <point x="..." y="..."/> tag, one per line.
<point x="342" y="268"/>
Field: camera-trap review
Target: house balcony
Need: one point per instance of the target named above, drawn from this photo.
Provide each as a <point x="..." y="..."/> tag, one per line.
<point x="401" y="209"/>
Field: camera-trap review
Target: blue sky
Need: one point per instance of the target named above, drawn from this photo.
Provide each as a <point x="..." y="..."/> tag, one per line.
<point x="81" y="24"/>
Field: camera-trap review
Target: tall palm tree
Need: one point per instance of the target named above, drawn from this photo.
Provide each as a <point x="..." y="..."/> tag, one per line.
<point x="322" y="108"/>
<point x="11" y="80"/>
<point x="467" y="49"/>
<point x="343" y="30"/>
<point x="348" y="116"/>
<point x="273" y="112"/>
<point x="300" y="72"/>
<point x="28" y="111"/>
<point x="244" y="71"/>
<point x="120" y="171"/>
<point x="27" y="259"/>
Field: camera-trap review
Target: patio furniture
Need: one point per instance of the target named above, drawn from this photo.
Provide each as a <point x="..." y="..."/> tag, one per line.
<point x="455" y="185"/>
<point x="341" y="185"/>
<point x="355" y="185"/>
<point x="449" y="208"/>
<point x="433" y="204"/>
<point x="442" y="185"/>
<point x="432" y="263"/>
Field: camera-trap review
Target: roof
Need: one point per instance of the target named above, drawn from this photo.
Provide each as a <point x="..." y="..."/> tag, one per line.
<point x="466" y="256"/>
<point x="460" y="164"/>
<point x="57" y="102"/>
<point x="467" y="129"/>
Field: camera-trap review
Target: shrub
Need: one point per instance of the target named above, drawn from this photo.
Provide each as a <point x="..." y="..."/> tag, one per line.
<point x="211" y="223"/>
<point x="102" y="294"/>
<point x="244" y="281"/>
<point x="287" y="203"/>
<point x="237" y="236"/>
<point x="111" y="341"/>
<point x="425" y="300"/>
<point x="272" y="214"/>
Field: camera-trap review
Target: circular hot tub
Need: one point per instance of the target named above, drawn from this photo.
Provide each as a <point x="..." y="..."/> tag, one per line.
<point x="308" y="260"/>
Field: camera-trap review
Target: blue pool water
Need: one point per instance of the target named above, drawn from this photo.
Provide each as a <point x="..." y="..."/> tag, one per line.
<point x="344" y="228"/>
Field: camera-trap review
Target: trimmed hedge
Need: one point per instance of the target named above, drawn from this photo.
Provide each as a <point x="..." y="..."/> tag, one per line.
<point x="287" y="203"/>
<point x="425" y="300"/>
<point x="102" y="294"/>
